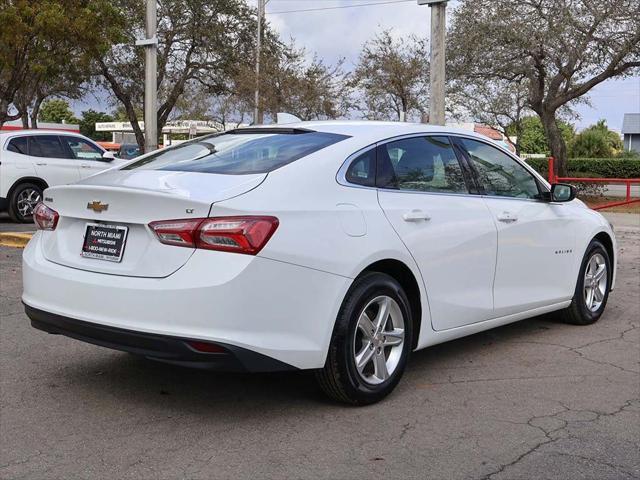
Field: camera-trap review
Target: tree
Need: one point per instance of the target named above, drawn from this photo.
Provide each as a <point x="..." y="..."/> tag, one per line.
<point x="561" y="49"/>
<point x="596" y="141"/>
<point x="308" y="89"/>
<point x="392" y="77"/>
<point x="200" y="41"/>
<point x="88" y="125"/>
<point x="289" y="82"/>
<point x="42" y="50"/>
<point x="531" y="135"/>
<point x="57" y="111"/>
<point x="501" y="105"/>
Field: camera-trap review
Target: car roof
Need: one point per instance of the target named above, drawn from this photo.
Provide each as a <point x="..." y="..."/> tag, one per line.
<point x="39" y="131"/>
<point x="372" y="128"/>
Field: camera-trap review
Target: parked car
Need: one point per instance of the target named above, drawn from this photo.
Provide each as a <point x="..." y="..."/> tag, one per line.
<point x="128" y="151"/>
<point x="334" y="246"/>
<point x="32" y="160"/>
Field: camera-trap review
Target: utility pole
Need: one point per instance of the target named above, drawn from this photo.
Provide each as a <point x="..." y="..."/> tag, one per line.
<point x="257" y="112"/>
<point x="437" y="69"/>
<point x="150" y="78"/>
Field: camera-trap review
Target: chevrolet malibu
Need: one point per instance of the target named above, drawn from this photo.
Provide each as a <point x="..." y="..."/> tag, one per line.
<point x="339" y="247"/>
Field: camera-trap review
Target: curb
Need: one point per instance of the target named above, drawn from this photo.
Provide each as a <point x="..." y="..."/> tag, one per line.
<point x="15" y="239"/>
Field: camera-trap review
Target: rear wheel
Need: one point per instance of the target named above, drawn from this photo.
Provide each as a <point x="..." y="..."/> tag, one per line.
<point x="592" y="287"/>
<point x="23" y="200"/>
<point x="371" y="342"/>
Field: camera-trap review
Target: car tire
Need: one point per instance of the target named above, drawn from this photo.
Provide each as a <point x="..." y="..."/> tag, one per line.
<point x="347" y="375"/>
<point x="23" y="198"/>
<point x="592" y="287"/>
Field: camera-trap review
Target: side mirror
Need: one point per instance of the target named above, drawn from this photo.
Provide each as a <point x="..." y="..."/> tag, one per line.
<point x="561" y="192"/>
<point x="108" y="156"/>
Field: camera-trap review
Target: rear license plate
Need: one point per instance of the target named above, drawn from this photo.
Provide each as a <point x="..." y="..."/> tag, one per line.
<point x="104" y="242"/>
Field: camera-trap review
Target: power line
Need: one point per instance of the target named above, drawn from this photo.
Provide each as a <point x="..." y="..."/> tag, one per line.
<point x="340" y="7"/>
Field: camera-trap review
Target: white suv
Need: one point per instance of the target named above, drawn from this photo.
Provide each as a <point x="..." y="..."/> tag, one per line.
<point x="32" y="160"/>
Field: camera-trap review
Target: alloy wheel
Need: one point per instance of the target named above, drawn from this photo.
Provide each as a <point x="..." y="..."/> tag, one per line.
<point x="379" y="340"/>
<point x="595" y="282"/>
<point x="26" y="201"/>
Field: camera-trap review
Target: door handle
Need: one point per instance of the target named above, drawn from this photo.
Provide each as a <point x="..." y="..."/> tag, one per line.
<point x="41" y="164"/>
<point x="507" y="217"/>
<point x="84" y="165"/>
<point x="415" y="216"/>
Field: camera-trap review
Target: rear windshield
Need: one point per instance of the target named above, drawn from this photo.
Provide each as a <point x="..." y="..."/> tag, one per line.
<point x="238" y="153"/>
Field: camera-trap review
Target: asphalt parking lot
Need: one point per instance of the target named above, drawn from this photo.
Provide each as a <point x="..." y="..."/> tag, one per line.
<point x="536" y="399"/>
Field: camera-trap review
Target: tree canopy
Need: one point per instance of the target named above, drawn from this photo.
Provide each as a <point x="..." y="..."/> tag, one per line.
<point x="559" y="49"/>
<point x="88" y="124"/>
<point x="596" y="141"/>
<point x="57" y="111"/>
<point x="392" y="77"/>
<point x="44" y="50"/>
<point x="531" y="135"/>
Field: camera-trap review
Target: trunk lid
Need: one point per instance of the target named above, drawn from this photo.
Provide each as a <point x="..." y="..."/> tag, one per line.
<point x="134" y="199"/>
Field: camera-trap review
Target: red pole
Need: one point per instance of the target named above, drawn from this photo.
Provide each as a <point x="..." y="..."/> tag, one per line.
<point x="552" y="174"/>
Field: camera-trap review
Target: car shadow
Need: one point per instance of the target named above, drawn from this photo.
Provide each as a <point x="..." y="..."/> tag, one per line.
<point x="445" y="354"/>
<point x="125" y="377"/>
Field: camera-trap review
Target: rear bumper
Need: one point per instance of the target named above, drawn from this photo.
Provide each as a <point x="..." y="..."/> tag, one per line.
<point x="278" y="310"/>
<point x="164" y="348"/>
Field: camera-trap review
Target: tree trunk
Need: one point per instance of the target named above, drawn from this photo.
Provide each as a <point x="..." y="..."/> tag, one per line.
<point x="35" y="112"/>
<point x="139" y="135"/>
<point x="519" y="130"/>
<point x="556" y="142"/>
<point x="24" y="116"/>
<point x="126" y="102"/>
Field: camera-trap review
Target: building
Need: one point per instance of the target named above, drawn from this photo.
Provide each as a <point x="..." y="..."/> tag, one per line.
<point x="122" y="132"/>
<point x="631" y="132"/>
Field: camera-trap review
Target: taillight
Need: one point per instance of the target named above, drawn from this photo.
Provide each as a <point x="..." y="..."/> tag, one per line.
<point x="246" y="234"/>
<point x="236" y="234"/>
<point x="44" y="217"/>
<point x="177" y="232"/>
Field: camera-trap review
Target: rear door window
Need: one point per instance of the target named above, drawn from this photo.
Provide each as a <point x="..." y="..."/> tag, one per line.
<point x="239" y="152"/>
<point x="18" y="145"/>
<point x="47" y="146"/>
<point x="423" y="164"/>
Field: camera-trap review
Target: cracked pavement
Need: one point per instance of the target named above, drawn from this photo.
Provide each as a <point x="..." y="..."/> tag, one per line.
<point x="535" y="399"/>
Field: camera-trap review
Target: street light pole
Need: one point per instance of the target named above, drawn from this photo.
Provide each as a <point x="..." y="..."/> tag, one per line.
<point x="437" y="69"/>
<point x="257" y="112"/>
<point x="150" y="78"/>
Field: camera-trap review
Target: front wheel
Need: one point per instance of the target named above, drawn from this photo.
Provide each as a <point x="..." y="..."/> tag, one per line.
<point x="371" y="342"/>
<point x="592" y="288"/>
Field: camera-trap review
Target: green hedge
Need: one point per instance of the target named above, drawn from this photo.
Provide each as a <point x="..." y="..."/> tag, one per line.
<point x="594" y="167"/>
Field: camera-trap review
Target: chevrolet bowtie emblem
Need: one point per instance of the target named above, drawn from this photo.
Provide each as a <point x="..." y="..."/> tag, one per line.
<point x="97" y="206"/>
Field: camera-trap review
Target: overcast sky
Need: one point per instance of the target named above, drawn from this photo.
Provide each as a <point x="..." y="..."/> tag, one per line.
<point x="337" y="33"/>
<point x="341" y="32"/>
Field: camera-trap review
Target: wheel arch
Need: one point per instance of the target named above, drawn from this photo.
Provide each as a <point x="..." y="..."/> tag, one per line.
<point x="406" y="278"/>
<point x="607" y="241"/>
<point x="35" y="180"/>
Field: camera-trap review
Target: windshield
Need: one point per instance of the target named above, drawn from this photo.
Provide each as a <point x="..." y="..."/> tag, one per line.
<point x="238" y="153"/>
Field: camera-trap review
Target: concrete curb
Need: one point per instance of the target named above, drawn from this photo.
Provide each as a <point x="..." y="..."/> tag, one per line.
<point x="15" y="239"/>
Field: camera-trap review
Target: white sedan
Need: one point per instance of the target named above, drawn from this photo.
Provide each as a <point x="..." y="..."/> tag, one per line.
<point x="334" y="246"/>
